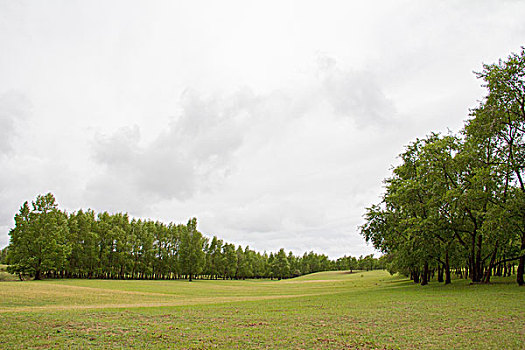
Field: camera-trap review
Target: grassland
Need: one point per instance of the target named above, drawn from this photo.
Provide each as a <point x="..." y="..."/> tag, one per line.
<point x="331" y="310"/>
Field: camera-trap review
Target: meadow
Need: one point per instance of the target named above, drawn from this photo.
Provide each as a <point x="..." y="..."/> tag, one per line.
<point x="327" y="310"/>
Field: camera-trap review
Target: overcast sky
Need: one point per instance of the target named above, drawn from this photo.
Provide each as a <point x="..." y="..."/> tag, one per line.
<point x="272" y="122"/>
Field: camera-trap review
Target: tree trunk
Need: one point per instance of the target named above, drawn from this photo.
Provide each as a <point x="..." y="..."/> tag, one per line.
<point x="416" y="277"/>
<point x="478" y="268"/>
<point x="424" y="275"/>
<point x="486" y="278"/>
<point x="447" y="270"/>
<point x="440" y="273"/>
<point x="521" y="264"/>
<point x="38" y="275"/>
<point x="498" y="270"/>
<point x="521" y="268"/>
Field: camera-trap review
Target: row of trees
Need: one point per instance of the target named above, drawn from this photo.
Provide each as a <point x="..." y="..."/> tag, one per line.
<point x="48" y="242"/>
<point x="456" y="203"/>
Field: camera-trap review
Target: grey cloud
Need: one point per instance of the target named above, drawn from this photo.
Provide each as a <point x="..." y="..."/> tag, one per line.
<point x="274" y="212"/>
<point x="355" y="94"/>
<point x="13" y="108"/>
<point x="194" y="149"/>
<point x="210" y="129"/>
<point x="212" y="134"/>
<point x="118" y="149"/>
<point x="131" y="171"/>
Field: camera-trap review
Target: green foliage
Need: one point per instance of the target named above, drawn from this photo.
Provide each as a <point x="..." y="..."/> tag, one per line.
<point x="280" y="265"/>
<point x="3" y="256"/>
<point x="191" y="254"/>
<point x="39" y="239"/>
<point x="46" y="242"/>
<point x="455" y="202"/>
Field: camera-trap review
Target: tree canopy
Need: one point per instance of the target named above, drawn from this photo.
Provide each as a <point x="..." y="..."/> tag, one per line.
<point x="457" y="201"/>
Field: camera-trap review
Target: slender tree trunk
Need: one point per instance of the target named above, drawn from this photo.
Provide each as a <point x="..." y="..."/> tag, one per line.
<point x="416" y="276"/>
<point x="424" y="275"/>
<point x="440" y="273"/>
<point x="472" y="257"/>
<point x="447" y="269"/>
<point x="521" y="264"/>
<point x="478" y="268"/>
<point x="486" y="278"/>
<point x="498" y="270"/>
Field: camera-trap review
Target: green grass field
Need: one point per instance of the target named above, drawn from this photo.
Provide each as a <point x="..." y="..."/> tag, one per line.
<point x="329" y="310"/>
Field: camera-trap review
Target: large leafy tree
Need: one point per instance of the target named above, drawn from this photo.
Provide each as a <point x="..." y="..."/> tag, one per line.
<point x="39" y="239"/>
<point x="499" y="120"/>
<point x="458" y="200"/>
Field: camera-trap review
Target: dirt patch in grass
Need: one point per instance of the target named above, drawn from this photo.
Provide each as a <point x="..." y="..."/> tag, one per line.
<point x="112" y="291"/>
<point x="310" y="281"/>
<point x="194" y="301"/>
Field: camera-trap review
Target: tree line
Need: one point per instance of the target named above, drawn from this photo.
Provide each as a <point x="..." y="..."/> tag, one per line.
<point x="47" y="242"/>
<point x="456" y="203"/>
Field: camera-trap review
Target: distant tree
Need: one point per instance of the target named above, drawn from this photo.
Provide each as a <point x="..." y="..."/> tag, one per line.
<point x="217" y="258"/>
<point x="249" y="262"/>
<point x="230" y="260"/>
<point x="3" y="256"/>
<point x="209" y="266"/>
<point x="240" y="268"/>
<point x="191" y="253"/>
<point x="38" y="241"/>
<point x="147" y="248"/>
<point x="83" y="259"/>
<point x="280" y="265"/>
<point x="161" y="247"/>
<point x="259" y="264"/>
<point x="173" y="237"/>
<point x="294" y="265"/>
